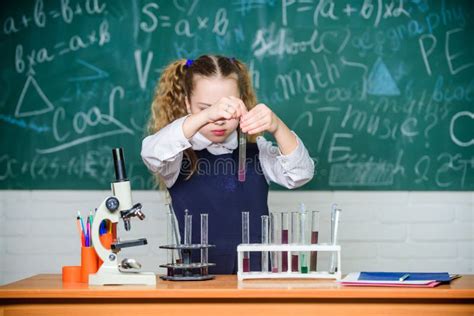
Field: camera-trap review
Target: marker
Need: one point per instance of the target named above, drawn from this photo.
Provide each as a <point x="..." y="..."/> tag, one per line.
<point x="78" y="225"/>
<point x="82" y="222"/>
<point x="404" y="277"/>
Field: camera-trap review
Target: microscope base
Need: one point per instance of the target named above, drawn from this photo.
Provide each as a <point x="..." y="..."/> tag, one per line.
<point x="115" y="277"/>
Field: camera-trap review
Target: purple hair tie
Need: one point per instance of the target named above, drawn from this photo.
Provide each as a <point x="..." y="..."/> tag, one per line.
<point x="189" y="63"/>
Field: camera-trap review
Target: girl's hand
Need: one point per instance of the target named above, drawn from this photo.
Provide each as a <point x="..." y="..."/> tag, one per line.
<point x="226" y="108"/>
<point x="259" y="119"/>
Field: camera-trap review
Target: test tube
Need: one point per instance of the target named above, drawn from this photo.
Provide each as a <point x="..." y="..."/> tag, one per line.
<point x="170" y="240"/>
<point x="284" y="240"/>
<point x="274" y="240"/>
<point x="175" y="239"/>
<point x="335" y="214"/>
<point x="188" y="226"/>
<point x="242" y="155"/>
<point x="246" y="240"/>
<point x="204" y="241"/>
<point x="303" y="240"/>
<point x="295" y="218"/>
<point x="264" y="242"/>
<point x="314" y="239"/>
<point x="188" y="221"/>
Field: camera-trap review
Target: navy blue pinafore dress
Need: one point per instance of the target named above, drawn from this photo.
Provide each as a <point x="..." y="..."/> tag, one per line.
<point x="214" y="189"/>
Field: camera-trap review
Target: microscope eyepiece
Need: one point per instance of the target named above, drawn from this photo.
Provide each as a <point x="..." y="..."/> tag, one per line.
<point x="119" y="165"/>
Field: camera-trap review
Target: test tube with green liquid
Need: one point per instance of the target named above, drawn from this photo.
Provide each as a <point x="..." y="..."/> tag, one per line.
<point x="303" y="239"/>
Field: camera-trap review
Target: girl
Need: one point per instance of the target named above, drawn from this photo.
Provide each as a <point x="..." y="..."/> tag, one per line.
<point x="197" y="108"/>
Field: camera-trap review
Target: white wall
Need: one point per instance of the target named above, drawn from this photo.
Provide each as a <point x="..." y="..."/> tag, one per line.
<point x="415" y="231"/>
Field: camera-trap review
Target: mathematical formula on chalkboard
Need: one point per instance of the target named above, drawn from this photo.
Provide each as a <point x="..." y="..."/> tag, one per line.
<point x="380" y="91"/>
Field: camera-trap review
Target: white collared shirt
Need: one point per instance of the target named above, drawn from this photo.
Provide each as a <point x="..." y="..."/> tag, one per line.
<point x="162" y="153"/>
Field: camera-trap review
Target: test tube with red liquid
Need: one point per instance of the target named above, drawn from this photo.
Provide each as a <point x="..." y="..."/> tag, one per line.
<point x="284" y="240"/>
<point x="295" y="224"/>
<point x="242" y="155"/>
<point x="245" y="240"/>
<point x="314" y="239"/>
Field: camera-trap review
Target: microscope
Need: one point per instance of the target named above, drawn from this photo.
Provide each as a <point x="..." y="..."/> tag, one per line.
<point x="115" y="207"/>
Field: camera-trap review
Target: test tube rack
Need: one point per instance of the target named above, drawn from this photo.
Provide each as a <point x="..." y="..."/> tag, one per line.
<point x="187" y="270"/>
<point x="288" y="248"/>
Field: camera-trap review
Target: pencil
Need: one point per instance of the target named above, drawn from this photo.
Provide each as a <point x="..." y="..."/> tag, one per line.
<point x="78" y="225"/>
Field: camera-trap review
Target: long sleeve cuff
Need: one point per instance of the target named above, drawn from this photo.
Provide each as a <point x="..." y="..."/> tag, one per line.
<point x="168" y="142"/>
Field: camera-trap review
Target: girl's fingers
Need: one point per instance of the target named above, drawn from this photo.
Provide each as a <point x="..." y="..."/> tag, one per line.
<point x="258" y="129"/>
<point x="255" y="124"/>
<point x="251" y="118"/>
<point x="228" y="108"/>
<point x="226" y="115"/>
<point x="241" y="109"/>
<point x="258" y="109"/>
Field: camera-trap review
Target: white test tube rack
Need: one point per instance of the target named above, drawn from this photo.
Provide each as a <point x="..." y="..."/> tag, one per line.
<point x="290" y="248"/>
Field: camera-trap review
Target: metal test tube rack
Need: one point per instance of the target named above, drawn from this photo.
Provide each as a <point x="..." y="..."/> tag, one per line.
<point x="289" y="248"/>
<point x="186" y="270"/>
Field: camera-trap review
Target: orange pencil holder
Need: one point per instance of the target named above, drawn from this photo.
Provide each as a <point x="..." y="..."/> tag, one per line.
<point x="88" y="263"/>
<point x="106" y="240"/>
<point x="71" y="274"/>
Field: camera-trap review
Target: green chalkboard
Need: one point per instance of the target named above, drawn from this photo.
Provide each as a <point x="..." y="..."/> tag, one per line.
<point x="381" y="92"/>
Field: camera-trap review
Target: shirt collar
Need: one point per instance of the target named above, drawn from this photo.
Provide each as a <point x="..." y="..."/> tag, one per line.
<point x="200" y="142"/>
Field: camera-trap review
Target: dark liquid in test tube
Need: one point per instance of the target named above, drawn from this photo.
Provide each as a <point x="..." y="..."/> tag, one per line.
<point x="314" y="254"/>
<point x="245" y="240"/>
<point x="246" y="264"/>
<point x="284" y="258"/>
<point x="294" y="263"/>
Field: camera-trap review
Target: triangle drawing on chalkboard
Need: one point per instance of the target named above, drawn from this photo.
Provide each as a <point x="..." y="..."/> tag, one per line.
<point x="34" y="102"/>
<point x="381" y="81"/>
<point x="93" y="72"/>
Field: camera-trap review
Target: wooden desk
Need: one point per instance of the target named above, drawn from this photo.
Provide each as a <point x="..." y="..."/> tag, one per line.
<point x="47" y="295"/>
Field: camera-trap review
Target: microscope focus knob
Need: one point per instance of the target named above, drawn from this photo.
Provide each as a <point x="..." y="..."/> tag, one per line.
<point x="112" y="204"/>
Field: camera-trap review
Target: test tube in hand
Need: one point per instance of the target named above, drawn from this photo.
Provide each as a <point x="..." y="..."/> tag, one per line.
<point x="242" y="155"/>
<point x="246" y="240"/>
<point x="265" y="241"/>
